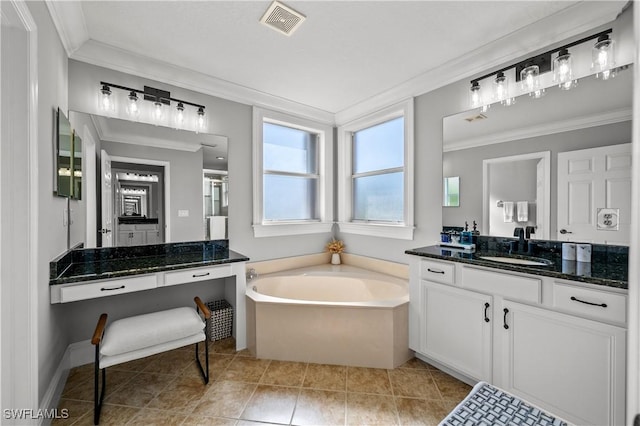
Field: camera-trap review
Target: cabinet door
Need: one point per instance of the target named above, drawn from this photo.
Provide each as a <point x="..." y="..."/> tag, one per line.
<point x="138" y="238"/>
<point x="570" y="366"/>
<point x="456" y="328"/>
<point x="153" y="237"/>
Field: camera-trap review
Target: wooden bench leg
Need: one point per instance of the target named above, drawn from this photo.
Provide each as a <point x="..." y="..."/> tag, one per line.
<point x="205" y="375"/>
<point x="98" y="397"/>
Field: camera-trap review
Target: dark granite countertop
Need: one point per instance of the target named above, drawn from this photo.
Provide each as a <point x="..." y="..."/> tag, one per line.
<point x="608" y="267"/>
<point x="80" y="265"/>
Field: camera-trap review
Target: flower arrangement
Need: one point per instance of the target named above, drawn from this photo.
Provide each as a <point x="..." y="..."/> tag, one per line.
<point x="335" y="246"/>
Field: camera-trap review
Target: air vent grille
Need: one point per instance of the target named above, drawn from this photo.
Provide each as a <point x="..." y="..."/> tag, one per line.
<point x="475" y="118"/>
<point x="282" y="18"/>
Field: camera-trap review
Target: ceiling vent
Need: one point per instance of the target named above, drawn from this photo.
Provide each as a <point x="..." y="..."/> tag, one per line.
<point x="475" y="118"/>
<point x="282" y="18"/>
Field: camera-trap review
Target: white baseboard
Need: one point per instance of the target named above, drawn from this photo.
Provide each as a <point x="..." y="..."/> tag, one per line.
<point x="76" y="354"/>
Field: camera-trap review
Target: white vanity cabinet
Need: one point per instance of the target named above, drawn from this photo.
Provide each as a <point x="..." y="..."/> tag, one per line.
<point x="537" y="338"/>
<point x="573" y="366"/>
<point x="138" y="234"/>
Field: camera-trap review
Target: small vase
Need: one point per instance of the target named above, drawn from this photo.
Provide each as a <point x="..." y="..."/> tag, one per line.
<point x="335" y="258"/>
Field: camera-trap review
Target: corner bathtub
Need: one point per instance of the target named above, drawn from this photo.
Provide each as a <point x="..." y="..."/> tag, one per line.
<point x="329" y="314"/>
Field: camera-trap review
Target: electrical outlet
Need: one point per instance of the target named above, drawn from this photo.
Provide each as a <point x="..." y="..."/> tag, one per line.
<point x="608" y="219"/>
<point x="183" y="213"/>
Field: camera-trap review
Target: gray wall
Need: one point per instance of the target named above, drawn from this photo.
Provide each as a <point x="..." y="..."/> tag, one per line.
<point x="467" y="164"/>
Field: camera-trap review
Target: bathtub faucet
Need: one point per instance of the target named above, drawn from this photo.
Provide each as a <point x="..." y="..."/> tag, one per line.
<point x="251" y="274"/>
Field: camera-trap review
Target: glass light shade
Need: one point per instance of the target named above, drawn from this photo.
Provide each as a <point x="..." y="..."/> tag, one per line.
<point x="530" y="81"/>
<point x="105" y="101"/>
<point x="201" y="120"/>
<point x="157" y="113"/>
<point x="475" y="100"/>
<point x="179" y="116"/>
<point x="501" y="90"/>
<point x="133" y="109"/>
<point x="563" y="71"/>
<point x="603" y="58"/>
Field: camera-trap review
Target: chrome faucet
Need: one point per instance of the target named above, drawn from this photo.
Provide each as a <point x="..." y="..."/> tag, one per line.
<point x="251" y="274"/>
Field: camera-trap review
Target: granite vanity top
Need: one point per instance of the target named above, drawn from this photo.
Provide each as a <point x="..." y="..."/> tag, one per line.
<point x="609" y="264"/>
<point x="113" y="262"/>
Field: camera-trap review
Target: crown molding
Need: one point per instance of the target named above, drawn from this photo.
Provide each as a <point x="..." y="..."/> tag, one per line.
<point x="69" y="21"/>
<point x="111" y="57"/>
<point x="585" y="122"/>
<point x="569" y="22"/>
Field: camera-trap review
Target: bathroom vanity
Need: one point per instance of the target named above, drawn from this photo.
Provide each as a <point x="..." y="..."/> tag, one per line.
<point x="83" y="274"/>
<point x="542" y="332"/>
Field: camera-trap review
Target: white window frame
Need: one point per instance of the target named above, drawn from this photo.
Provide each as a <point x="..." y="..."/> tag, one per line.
<point x="403" y="230"/>
<point x="262" y="228"/>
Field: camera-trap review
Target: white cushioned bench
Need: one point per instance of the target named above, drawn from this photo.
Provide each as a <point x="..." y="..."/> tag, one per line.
<point x="141" y="336"/>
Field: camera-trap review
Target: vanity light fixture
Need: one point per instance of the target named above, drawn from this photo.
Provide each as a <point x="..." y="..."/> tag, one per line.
<point x="157" y="114"/>
<point x="528" y="71"/>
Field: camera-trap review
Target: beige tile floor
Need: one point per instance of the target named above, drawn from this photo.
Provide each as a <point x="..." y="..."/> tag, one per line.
<point x="166" y="389"/>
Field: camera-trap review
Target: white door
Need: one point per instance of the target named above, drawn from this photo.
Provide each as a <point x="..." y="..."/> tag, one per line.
<point x="106" y="184"/>
<point x="457" y="328"/>
<point x="570" y="366"/>
<point x="542" y="227"/>
<point x="590" y="180"/>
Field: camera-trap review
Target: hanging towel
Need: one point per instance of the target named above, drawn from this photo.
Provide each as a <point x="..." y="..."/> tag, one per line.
<point x="507" y="207"/>
<point x="523" y="211"/>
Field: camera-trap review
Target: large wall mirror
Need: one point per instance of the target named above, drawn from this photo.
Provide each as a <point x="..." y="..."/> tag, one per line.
<point x="148" y="184"/>
<point x="585" y="133"/>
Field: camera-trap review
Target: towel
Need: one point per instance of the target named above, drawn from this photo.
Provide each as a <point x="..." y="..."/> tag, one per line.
<point x="507" y="207"/>
<point x="523" y="211"/>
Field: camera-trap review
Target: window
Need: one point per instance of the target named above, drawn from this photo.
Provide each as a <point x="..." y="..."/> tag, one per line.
<point x="376" y="174"/>
<point x="292" y="179"/>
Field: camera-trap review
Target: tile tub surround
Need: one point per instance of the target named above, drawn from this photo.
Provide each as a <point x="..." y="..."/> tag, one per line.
<point x="609" y="264"/>
<point x="111" y="262"/>
<point x="245" y="390"/>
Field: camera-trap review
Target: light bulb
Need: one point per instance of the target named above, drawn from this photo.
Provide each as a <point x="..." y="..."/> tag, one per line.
<point x="501" y="89"/>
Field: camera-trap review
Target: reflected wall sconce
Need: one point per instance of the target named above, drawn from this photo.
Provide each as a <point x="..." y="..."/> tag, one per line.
<point x="528" y="72"/>
<point x="159" y="112"/>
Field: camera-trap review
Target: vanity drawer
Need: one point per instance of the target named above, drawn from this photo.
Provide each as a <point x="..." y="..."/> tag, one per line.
<point x="147" y="227"/>
<point x="200" y="274"/>
<point x="514" y="287"/>
<point x="599" y="305"/>
<point x="437" y="271"/>
<point x="107" y="288"/>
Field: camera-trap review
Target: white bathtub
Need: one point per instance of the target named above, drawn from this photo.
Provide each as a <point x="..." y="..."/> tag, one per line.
<point x="329" y="314"/>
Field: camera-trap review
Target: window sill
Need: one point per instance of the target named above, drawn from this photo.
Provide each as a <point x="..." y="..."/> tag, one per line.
<point x="400" y="232"/>
<point x="282" y="229"/>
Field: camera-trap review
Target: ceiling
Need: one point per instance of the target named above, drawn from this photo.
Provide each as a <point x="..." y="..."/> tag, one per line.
<point x="344" y="54"/>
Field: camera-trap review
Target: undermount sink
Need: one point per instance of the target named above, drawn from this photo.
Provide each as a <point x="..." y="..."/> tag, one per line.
<point x="532" y="261"/>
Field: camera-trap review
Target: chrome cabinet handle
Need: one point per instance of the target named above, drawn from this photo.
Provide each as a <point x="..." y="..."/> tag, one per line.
<point x="486" y="307"/>
<point x="113" y="288"/>
<point x="435" y="271"/>
<point x="504" y="320"/>
<point x="575" y="299"/>
<point x="200" y="275"/>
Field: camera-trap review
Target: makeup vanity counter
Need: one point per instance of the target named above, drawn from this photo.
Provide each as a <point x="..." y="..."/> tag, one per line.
<point x="554" y="335"/>
<point x="82" y="274"/>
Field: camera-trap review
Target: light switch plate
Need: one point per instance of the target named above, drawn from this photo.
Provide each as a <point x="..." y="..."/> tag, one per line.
<point x="183" y="213"/>
<point x="608" y="219"/>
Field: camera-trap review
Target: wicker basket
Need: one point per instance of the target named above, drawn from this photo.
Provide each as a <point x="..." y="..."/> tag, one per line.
<point x="220" y="325"/>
